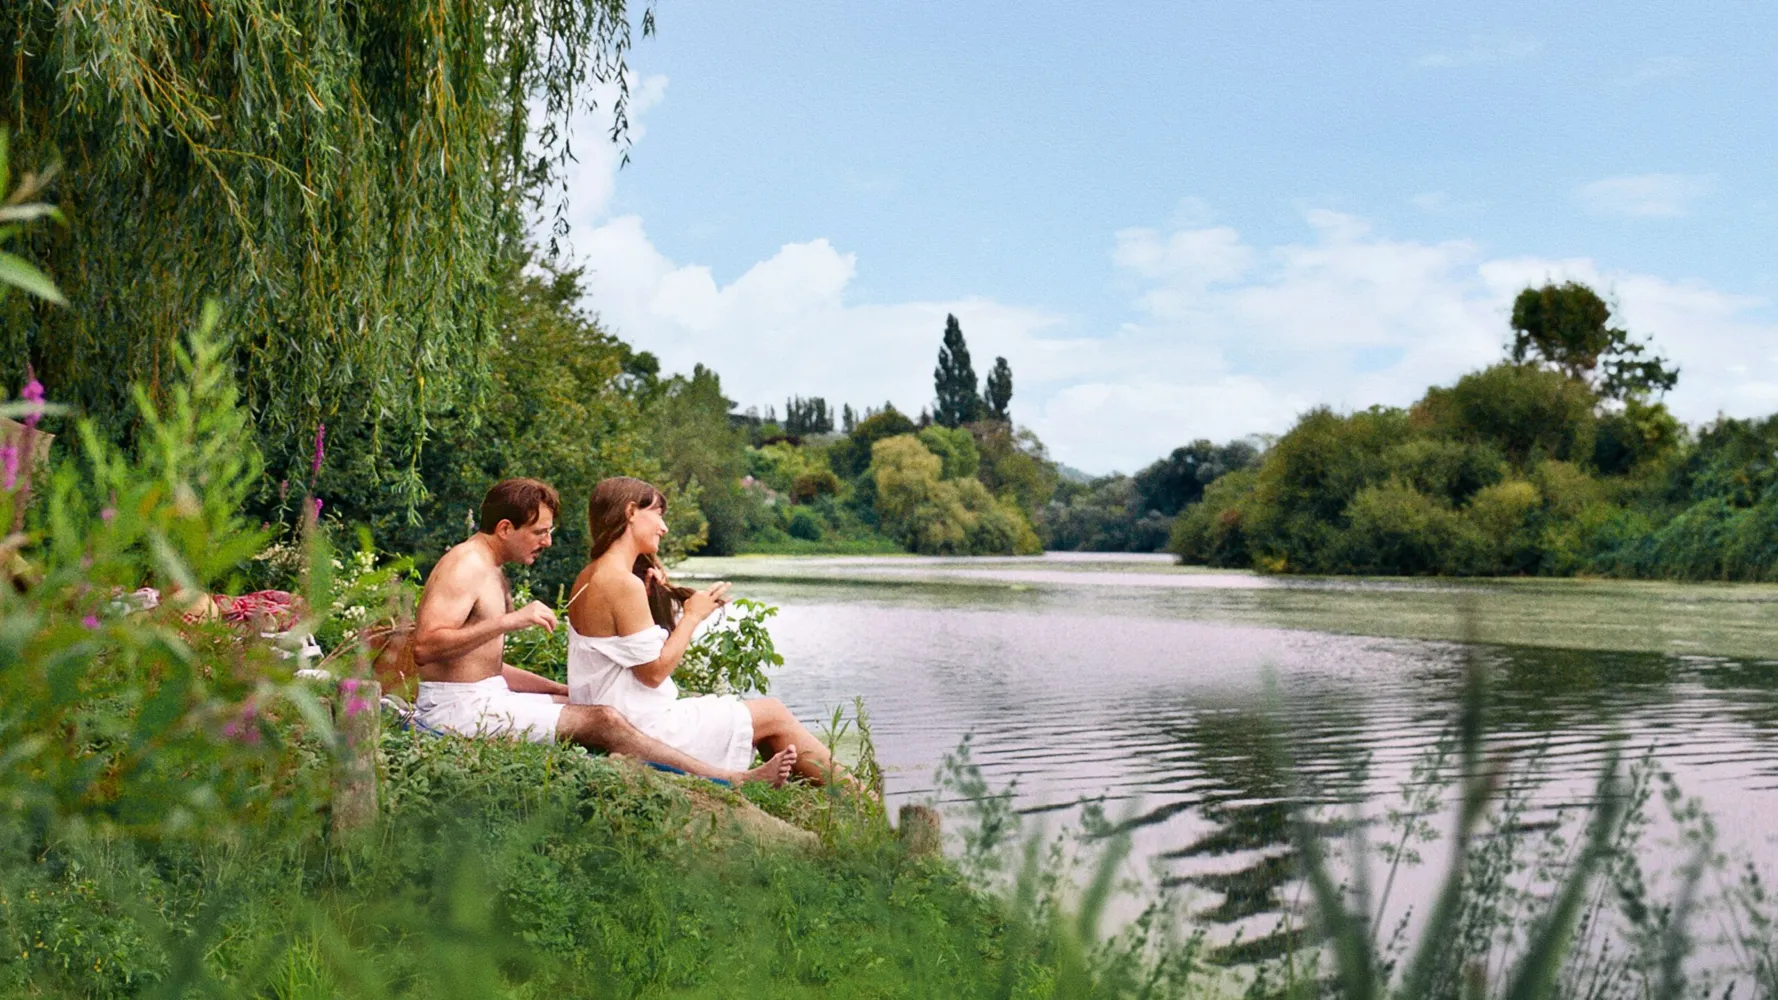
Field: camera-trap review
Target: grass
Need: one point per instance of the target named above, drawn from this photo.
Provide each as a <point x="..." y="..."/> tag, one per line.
<point x="874" y="546"/>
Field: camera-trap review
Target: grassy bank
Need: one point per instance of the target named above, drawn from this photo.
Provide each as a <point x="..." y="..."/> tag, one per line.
<point x="499" y="870"/>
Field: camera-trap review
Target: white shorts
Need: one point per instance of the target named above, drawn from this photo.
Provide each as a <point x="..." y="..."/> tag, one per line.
<point x="487" y="708"/>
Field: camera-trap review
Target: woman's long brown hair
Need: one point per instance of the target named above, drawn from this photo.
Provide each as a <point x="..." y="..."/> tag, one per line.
<point x="608" y="517"/>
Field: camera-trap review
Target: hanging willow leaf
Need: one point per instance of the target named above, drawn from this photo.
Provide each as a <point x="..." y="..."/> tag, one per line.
<point x="23" y="276"/>
<point x="349" y="179"/>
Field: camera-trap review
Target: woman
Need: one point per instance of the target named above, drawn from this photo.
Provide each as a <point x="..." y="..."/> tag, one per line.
<point x="628" y="627"/>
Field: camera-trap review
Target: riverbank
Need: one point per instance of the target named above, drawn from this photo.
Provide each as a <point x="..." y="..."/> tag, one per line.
<point x="503" y="869"/>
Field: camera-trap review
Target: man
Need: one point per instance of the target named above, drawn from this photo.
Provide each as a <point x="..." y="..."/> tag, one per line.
<point x="460" y="635"/>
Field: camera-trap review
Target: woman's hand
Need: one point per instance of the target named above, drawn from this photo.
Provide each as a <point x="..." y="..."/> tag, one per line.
<point x="701" y="603"/>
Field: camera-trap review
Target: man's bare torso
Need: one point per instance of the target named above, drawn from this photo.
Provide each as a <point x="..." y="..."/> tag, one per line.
<point x="467" y="570"/>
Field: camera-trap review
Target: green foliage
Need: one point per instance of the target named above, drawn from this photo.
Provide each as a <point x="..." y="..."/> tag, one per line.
<point x="733" y="655"/>
<point x="1214" y="532"/>
<point x="955" y="448"/>
<point x="1104" y="516"/>
<point x="1170" y="484"/>
<point x="805" y="524"/>
<point x="114" y="719"/>
<point x="1014" y="464"/>
<point x="851" y="456"/>
<point x="571" y="407"/>
<point x="1394" y="528"/>
<point x="1529" y="413"/>
<point x="704" y="454"/>
<point x="997" y="395"/>
<point x="1567" y="327"/>
<point x="957" y="396"/>
<point x="1515" y="469"/>
<point x="349" y="180"/>
<point x="1634" y="437"/>
<point x="936" y="516"/>
<point x="18" y="212"/>
<point x="780" y="465"/>
<point x="807" y="416"/>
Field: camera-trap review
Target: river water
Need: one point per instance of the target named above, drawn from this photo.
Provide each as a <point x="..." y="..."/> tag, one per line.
<point x="1163" y="692"/>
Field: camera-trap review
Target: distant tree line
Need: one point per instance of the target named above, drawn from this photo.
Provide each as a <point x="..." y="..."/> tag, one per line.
<point x="1559" y="460"/>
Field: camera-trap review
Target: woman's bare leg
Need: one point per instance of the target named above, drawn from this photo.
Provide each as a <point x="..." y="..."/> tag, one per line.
<point x="602" y="727"/>
<point x="775" y="729"/>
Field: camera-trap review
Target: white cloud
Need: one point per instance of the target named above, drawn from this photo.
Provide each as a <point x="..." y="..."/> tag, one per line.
<point x="785" y="327"/>
<point x="1481" y="52"/>
<point x="1349" y="319"/>
<point x="592" y="176"/>
<point x="1225" y="338"/>
<point x="1644" y="195"/>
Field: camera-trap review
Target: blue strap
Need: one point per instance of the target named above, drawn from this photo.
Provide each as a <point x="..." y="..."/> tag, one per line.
<point x="670" y="769"/>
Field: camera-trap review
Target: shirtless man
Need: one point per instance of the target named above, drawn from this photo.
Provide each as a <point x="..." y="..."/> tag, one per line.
<point x="465" y="612"/>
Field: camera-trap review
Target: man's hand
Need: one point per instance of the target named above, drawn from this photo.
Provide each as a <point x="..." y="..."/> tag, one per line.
<point x="535" y="614"/>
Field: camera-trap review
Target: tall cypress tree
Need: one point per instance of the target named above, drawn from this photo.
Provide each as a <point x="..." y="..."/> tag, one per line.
<point x="999" y="391"/>
<point x="953" y="381"/>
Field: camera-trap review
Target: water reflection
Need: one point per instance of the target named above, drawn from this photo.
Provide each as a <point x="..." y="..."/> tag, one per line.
<point x="1079" y="694"/>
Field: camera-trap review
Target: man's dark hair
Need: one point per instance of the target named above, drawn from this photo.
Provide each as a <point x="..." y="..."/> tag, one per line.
<point x="518" y="501"/>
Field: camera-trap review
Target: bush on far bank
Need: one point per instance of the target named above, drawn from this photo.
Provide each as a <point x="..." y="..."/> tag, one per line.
<point x="1513" y="470"/>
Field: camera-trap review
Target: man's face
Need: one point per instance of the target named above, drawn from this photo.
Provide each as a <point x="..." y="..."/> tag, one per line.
<point x="523" y="544"/>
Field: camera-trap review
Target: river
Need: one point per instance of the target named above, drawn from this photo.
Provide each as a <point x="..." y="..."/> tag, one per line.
<point x="1162" y="692"/>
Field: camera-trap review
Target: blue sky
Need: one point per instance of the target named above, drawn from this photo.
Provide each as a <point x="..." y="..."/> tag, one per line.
<point x="1182" y="221"/>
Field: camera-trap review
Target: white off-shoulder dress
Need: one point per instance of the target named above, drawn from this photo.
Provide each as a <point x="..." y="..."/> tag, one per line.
<point x="715" y="729"/>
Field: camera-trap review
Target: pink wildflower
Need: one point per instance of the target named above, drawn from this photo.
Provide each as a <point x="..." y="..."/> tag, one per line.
<point x="242" y="729"/>
<point x="90" y="621"/>
<point x="320" y="449"/>
<point x="349" y="686"/>
<point x="317" y="508"/>
<point x="107" y="514"/>
<point x="356" y="705"/>
<point x="33" y="393"/>
<point x="9" y="465"/>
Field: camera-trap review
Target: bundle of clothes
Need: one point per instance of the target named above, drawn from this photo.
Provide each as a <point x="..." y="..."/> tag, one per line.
<point x="270" y="613"/>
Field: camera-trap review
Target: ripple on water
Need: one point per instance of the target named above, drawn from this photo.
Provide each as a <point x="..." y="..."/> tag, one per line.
<point x="1160" y="711"/>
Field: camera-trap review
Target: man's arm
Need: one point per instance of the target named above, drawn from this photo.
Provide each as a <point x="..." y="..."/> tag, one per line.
<point x="526" y="681"/>
<point x="440" y="632"/>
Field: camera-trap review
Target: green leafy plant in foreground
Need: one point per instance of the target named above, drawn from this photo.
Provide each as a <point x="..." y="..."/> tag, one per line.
<point x="732" y="655"/>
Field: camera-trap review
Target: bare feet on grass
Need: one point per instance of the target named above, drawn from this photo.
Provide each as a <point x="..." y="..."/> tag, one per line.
<point x="775" y="771"/>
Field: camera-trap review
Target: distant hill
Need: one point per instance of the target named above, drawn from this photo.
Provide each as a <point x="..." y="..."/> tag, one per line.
<point x="1070" y="474"/>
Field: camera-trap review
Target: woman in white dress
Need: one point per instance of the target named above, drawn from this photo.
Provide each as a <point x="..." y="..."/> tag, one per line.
<point x="628" y="626"/>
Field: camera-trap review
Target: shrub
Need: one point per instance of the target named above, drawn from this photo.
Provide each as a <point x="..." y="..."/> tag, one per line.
<point x="1212" y="532"/>
<point x="810" y="485"/>
<point x="937" y="516"/>
<point x="955" y="448"/>
<point x="805" y="524"/>
<point x="1505" y="515"/>
<point x="1530" y="413"/>
<point x="1396" y="529"/>
<point x="1452" y="471"/>
<point x="1642" y="432"/>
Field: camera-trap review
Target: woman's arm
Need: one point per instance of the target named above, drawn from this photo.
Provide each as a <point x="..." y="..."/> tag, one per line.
<point x="633" y="616"/>
<point x="524" y="681"/>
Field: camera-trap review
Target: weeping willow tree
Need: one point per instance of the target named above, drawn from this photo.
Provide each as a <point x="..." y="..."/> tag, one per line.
<point x="349" y="177"/>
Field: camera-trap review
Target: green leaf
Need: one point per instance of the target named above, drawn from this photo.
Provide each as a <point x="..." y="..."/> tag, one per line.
<point x="16" y="272"/>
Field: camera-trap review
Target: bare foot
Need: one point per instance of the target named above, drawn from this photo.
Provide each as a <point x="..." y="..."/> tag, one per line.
<point x="775" y="771"/>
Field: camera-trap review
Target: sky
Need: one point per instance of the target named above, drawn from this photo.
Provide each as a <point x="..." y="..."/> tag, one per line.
<point x="1182" y="221"/>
